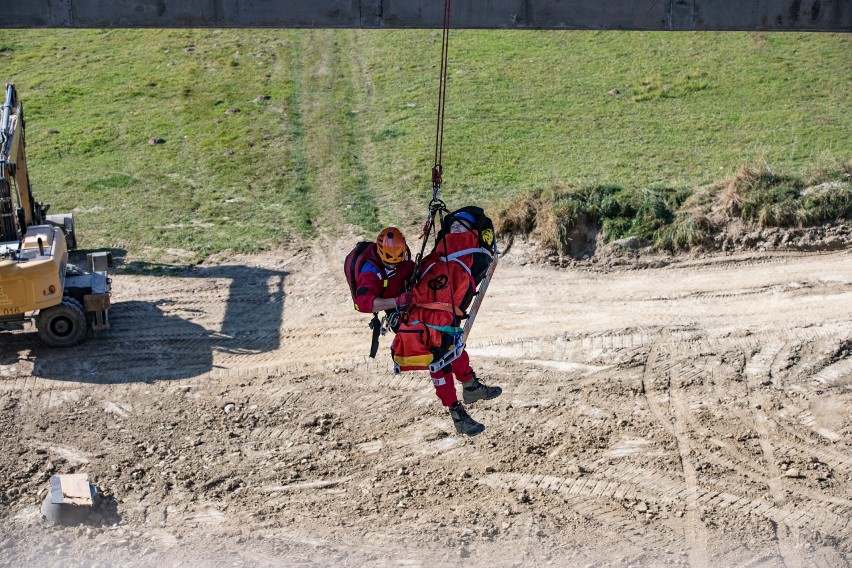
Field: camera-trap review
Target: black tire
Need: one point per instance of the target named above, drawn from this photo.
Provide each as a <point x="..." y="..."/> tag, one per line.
<point x="62" y="325"/>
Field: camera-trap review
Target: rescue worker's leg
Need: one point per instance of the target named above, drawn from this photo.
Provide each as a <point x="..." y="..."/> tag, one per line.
<point x="472" y="388"/>
<point x="445" y="388"/>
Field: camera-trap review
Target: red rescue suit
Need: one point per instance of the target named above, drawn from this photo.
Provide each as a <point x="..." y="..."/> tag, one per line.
<point x="378" y="280"/>
<point x="433" y="321"/>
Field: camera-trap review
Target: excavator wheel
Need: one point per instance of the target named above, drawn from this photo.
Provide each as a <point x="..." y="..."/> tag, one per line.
<point x="62" y="325"/>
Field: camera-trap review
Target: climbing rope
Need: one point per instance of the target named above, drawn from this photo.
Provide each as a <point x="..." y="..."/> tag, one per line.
<point x="436" y="205"/>
<point x="438" y="168"/>
<point x="437" y="208"/>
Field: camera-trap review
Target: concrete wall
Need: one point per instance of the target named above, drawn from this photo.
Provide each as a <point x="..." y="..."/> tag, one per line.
<point x="802" y="15"/>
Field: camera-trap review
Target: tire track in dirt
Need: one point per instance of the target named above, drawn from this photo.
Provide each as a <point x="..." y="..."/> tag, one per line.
<point x="797" y="443"/>
<point x="620" y="406"/>
<point x="830" y="515"/>
<point x="745" y="465"/>
<point x="696" y="538"/>
<point x="757" y="372"/>
<point x="612" y="514"/>
<point x="749" y="260"/>
<point x="789" y="442"/>
<point x="698" y="554"/>
<point x="655" y="488"/>
<point x="717" y="296"/>
<point x="838" y="374"/>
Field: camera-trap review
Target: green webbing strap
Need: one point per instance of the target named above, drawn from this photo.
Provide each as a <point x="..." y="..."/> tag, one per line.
<point x="446" y="328"/>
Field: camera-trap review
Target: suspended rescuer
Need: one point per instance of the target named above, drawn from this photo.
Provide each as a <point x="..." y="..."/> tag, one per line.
<point x="448" y="280"/>
<point x="378" y="273"/>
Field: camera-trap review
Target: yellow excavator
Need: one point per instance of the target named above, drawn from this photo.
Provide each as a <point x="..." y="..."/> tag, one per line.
<point x="36" y="281"/>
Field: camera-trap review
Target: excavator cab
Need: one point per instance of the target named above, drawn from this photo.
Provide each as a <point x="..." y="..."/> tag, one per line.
<point x="36" y="281"/>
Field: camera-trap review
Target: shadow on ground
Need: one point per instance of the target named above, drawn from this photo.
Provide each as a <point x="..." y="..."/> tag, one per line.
<point x="171" y="338"/>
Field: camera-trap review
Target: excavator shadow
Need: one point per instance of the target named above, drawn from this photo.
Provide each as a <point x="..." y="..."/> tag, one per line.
<point x="234" y="313"/>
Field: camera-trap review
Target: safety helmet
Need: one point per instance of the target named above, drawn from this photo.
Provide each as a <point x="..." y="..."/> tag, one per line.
<point x="467" y="217"/>
<point x="462" y="222"/>
<point x="390" y="246"/>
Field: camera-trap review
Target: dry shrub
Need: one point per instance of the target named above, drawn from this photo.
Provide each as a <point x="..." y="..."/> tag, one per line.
<point x="688" y="230"/>
<point x="702" y="201"/>
<point x="547" y="216"/>
<point x="554" y="224"/>
<point x="735" y="189"/>
<point x="520" y="216"/>
<point x="563" y="208"/>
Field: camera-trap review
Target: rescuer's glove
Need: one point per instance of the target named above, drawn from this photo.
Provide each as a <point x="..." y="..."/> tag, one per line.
<point x="404" y="300"/>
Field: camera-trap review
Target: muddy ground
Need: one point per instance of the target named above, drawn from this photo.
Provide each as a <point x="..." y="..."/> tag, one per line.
<point x="697" y="414"/>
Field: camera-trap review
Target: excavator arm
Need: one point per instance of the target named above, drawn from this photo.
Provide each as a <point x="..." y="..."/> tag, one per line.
<point x="18" y="208"/>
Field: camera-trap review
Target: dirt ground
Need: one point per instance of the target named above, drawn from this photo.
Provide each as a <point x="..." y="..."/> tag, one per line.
<point x="697" y="414"/>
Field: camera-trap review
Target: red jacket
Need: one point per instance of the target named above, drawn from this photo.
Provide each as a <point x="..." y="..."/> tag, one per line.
<point x="371" y="282"/>
<point x="432" y="323"/>
<point x="445" y="280"/>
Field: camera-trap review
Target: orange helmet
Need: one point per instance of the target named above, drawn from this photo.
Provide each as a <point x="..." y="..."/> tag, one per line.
<point x="390" y="245"/>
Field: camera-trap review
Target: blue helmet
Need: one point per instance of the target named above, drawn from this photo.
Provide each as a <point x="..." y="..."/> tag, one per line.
<point x="466" y="217"/>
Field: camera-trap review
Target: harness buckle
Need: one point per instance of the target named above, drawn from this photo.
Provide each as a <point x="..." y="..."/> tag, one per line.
<point x="449" y="356"/>
<point x="390" y="321"/>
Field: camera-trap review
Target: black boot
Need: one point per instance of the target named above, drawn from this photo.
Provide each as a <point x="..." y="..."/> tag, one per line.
<point x="474" y="390"/>
<point x="463" y="422"/>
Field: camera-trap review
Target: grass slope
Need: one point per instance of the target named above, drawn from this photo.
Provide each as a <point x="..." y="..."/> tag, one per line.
<point x="271" y="133"/>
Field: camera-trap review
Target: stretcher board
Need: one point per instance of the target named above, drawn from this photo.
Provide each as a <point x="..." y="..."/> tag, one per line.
<point x="480" y="295"/>
<point x="456" y="352"/>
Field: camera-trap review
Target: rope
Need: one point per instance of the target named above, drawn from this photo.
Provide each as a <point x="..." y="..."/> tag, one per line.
<point x="438" y="168"/>
<point x="437" y="208"/>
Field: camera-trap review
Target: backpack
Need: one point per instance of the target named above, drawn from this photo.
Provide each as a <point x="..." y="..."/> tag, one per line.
<point x="363" y="252"/>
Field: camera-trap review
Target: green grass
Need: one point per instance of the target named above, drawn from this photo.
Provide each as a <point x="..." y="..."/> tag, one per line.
<point x="680" y="219"/>
<point x="231" y="173"/>
<point x="346" y="137"/>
